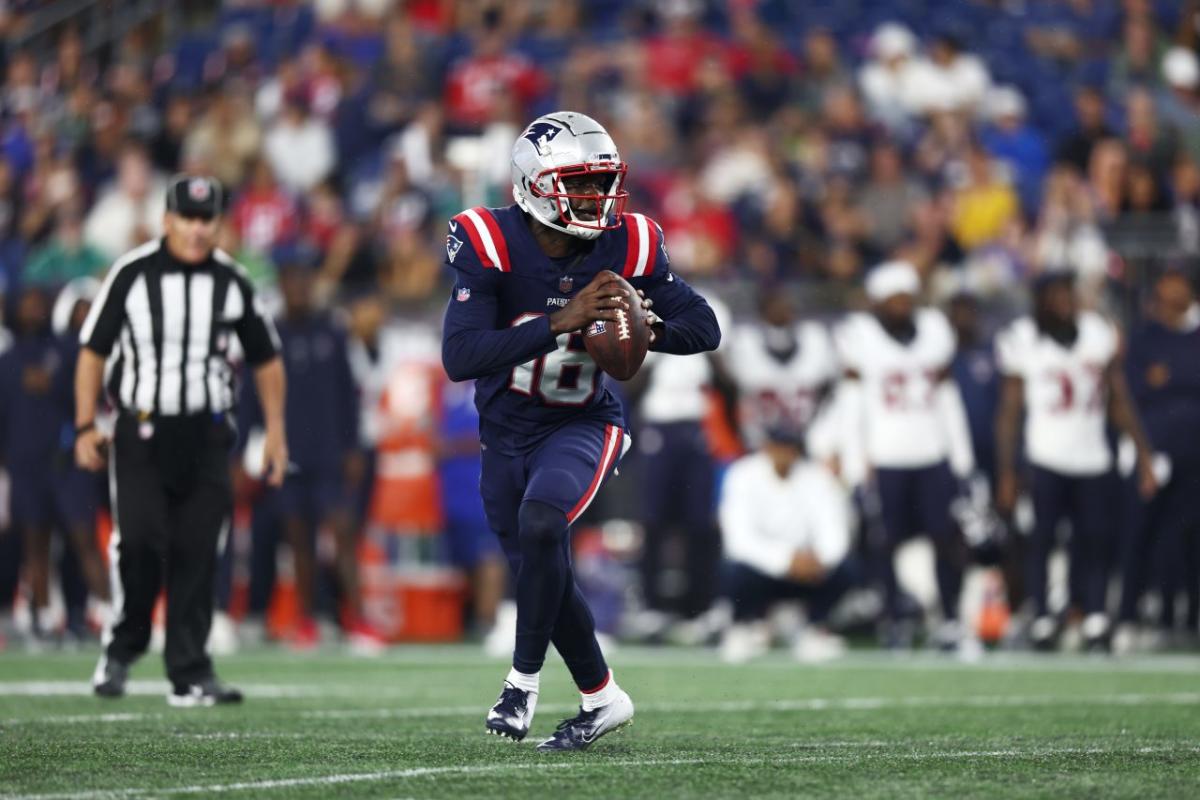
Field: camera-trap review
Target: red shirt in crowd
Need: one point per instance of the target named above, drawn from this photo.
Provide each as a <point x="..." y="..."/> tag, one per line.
<point x="263" y="218"/>
<point x="477" y="84"/>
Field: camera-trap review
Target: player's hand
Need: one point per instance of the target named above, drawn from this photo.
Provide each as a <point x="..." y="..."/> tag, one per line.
<point x="275" y="457"/>
<point x="805" y="568"/>
<point x="653" y="321"/>
<point x="600" y="299"/>
<point x="1006" y="492"/>
<point x="91" y="448"/>
<point x="1147" y="480"/>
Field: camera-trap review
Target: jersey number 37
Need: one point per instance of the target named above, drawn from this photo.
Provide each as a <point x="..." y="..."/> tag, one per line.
<point x="566" y="376"/>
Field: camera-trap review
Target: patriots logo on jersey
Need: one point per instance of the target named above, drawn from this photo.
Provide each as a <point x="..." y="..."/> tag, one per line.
<point x="463" y="294"/>
<point x="541" y="133"/>
<point x="453" y="245"/>
<point x="597" y="328"/>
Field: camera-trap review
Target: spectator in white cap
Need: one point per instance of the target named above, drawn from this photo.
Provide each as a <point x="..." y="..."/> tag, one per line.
<point x="905" y="431"/>
<point x="895" y="83"/>
<point x="1179" y="101"/>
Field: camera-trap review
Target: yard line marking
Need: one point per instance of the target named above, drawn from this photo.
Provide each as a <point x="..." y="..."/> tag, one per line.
<point x="802" y="704"/>
<point x="84" y="688"/>
<point x="720" y="707"/>
<point x="482" y="769"/>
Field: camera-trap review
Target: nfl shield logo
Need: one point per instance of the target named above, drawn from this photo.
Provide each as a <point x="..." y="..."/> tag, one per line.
<point x="198" y="189"/>
<point x="565" y="284"/>
<point x="463" y="294"/>
<point x="597" y="328"/>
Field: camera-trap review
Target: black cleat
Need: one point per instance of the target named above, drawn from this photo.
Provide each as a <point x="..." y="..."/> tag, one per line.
<point x="109" y="678"/>
<point x="513" y="713"/>
<point x="208" y="692"/>
<point x="582" y="730"/>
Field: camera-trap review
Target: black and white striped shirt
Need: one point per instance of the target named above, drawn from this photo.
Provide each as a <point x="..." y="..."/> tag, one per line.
<point x="165" y="327"/>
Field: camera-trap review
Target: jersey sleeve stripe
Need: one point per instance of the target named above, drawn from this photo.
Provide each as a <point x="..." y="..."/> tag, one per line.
<point x="646" y="261"/>
<point x="463" y="221"/>
<point x="481" y="238"/>
<point x="612" y="441"/>
<point x="635" y="237"/>
<point x="498" y="240"/>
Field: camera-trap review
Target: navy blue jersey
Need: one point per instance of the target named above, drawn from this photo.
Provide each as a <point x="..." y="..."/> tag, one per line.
<point x="321" y="408"/>
<point x="1163" y="367"/>
<point x="36" y="411"/>
<point x="497" y="326"/>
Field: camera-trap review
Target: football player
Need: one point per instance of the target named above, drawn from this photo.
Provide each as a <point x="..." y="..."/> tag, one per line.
<point x="904" y="424"/>
<point x="1061" y="368"/>
<point x="528" y="278"/>
<point x="784" y="370"/>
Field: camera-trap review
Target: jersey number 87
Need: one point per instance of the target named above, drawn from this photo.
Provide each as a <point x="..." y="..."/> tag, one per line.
<point x="563" y="377"/>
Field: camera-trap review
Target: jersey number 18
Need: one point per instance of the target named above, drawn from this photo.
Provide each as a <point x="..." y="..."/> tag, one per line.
<point x="562" y="377"/>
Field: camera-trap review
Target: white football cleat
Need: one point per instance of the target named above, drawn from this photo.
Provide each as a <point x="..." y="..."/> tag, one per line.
<point x="816" y="646"/>
<point x="582" y="730"/>
<point x="742" y="642"/>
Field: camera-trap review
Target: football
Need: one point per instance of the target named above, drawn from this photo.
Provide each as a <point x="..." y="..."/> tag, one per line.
<point x="619" y="346"/>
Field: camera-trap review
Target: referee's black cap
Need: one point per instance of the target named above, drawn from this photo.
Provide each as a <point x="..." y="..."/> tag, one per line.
<point x="195" y="196"/>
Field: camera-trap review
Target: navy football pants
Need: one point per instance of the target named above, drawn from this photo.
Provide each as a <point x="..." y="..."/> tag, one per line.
<point x="530" y="501"/>
<point x="917" y="501"/>
<point x="1085" y="501"/>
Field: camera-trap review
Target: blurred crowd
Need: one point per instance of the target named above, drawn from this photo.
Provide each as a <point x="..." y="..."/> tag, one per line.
<point x="786" y="149"/>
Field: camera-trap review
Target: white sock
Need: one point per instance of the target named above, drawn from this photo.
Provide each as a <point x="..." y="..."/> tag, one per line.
<point x="526" y="683"/>
<point x="602" y="696"/>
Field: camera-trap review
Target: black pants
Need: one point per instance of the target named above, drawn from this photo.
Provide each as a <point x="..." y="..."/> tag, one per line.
<point x="677" y="483"/>
<point x="172" y="502"/>
<point x="753" y="592"/>
<point x="1086" y="502"/>
<point x="917" y="501"/>
<point x="1161" y="547"/>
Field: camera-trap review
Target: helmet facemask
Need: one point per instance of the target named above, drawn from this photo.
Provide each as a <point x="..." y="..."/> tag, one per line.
<point x="583" y="214"/>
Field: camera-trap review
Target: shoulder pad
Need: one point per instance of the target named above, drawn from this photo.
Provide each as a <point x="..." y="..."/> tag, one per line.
<point x="479" y="227"/>
<point x="643" y="240"/>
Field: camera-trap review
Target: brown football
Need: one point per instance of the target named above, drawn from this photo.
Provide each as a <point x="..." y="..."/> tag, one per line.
<point x="619" y="346"/>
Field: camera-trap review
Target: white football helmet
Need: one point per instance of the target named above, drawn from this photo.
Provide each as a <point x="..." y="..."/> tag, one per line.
<point x="555" y="148"/>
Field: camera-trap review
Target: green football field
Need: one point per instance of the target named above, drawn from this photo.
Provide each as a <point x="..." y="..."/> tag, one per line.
<point x="409" y="725"/>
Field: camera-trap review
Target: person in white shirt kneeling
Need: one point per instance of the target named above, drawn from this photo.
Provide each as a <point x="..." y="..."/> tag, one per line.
<point x="785" y="523"/>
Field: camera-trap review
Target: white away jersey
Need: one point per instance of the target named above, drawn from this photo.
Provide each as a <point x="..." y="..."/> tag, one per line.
<point x="1065" y="398"/>
<point x="774" y="391"/>
<point x="903" y="426"/>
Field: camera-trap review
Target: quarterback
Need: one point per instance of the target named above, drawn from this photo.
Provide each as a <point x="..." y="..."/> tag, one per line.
<point x="528" y="280"/>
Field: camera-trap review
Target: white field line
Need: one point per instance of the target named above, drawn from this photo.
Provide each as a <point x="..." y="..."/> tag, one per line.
<point x="84" y="689"/>
<point x="483" y="769"/>
<point x="719" y="707"/>
<point x="685" y="658"/>
<point x="682" y="658"/>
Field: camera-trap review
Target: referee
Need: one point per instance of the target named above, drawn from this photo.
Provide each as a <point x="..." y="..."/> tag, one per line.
<point x="158" y="340"/>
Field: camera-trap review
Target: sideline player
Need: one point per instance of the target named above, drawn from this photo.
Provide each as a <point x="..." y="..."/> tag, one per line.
<point x="1061" y="367"/>
<point x="904" y="416"/>
<point x="528" y="279"/>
